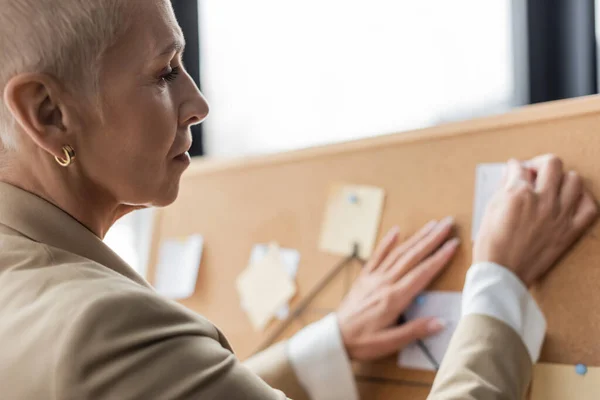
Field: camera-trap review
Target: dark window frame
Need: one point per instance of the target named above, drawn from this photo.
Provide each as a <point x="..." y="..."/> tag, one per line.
<point x="186" y="12"/>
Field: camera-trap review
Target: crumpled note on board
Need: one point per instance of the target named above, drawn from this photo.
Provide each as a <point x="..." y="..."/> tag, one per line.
<point x="264" y="287"/>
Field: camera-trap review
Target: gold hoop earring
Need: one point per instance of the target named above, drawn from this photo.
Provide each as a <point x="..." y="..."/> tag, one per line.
<point x="69" y="157"/>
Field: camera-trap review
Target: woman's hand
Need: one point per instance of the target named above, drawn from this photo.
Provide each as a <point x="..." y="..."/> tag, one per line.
<point x="388" y="284"/>
<point x="534" y="218"/>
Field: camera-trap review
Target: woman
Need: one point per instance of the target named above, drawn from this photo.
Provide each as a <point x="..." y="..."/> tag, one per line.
<point x="96" y="117"/>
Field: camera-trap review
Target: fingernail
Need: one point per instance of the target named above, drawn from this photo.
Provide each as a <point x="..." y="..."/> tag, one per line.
<point x="448" y="221"/>
<point x="430" y="224"/>
<point x="436" y="325"/>
<point x="453" y="242"/>
<point x="511" y="164"/>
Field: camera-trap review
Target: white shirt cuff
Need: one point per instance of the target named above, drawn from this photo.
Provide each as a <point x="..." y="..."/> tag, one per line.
<point x="319" y="359"/>
<point x="495" y="291"/>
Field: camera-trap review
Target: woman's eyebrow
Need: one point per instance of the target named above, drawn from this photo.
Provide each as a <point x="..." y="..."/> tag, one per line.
<point x="176" y="46"/>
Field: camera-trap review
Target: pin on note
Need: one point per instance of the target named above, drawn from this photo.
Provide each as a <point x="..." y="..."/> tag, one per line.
<point x="290" y="259"/>
<point x="352" y="216"/>
<point x="443" y="305"/>
<point x="264" y="287"/>
<point x="560" y="382"/>
<point x="177" y="268"/>
<point x="488" y="178"/>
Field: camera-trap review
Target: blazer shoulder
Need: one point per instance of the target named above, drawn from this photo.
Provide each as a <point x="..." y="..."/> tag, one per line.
<point x="131" y="342"/>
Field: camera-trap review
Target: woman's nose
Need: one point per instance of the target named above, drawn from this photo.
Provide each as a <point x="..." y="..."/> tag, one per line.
<point x="195" y="109"/>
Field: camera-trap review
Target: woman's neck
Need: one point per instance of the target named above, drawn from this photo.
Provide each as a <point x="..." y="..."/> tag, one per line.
<point x="67" y="189"/>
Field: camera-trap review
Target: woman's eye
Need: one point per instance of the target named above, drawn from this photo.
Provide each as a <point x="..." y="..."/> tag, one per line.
<point x="171" y="75"/>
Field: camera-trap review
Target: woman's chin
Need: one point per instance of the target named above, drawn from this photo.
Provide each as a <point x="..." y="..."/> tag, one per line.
<point x="160" y="196"/>
<point x="166" y="197"/>
<point x="158" y="193"/>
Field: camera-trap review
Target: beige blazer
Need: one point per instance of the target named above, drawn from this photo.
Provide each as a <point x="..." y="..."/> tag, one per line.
<point x="76" y="322"/>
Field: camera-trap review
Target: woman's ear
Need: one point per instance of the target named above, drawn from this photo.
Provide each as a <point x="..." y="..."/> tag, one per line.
<point x="39" y="107"/>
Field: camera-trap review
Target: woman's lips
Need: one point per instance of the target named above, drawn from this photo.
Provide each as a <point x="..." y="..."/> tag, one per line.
<point x="184" y="157"/>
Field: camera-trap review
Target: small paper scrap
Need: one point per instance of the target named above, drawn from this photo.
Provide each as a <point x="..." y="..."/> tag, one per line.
<point x="443" y="305"/>
<point x="352" y="217"/>
<point x="177" y="268"/>
<point x="290" y="259"/>
<point x="488" y="178"/>
<point x="265" y="287"/>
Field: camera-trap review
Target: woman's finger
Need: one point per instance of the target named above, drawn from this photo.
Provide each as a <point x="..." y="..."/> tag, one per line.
<point x="416" y="280"/>
<point x="517" y="174"/>
<point x="402" y="248"/>
<point x="549" y="174"/>
<point x="421" y="250"/>
<point x="383" y="248"/>
<point x="393" y="339"/>
<point x="570" y="192"/>
<point x="585" y="213"/>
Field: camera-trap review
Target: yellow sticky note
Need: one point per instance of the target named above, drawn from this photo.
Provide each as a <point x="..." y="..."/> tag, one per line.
<point x="264" y="287"/>
<point x="352" y="216"/>
<point x="561" y="382"/>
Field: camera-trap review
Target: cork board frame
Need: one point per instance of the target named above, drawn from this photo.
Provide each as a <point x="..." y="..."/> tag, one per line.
<point x="426" y="174"/>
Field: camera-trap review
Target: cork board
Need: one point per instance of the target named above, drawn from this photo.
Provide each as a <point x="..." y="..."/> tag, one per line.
<point x="426" y="174"/>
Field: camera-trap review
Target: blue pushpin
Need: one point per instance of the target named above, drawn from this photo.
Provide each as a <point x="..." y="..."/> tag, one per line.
<point x="581" y="369"/>
<point x="352" y="198"/>
<point x="422" y="299"/>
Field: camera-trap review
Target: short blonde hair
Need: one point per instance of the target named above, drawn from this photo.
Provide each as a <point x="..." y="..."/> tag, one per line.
<point x="64" y="38"/>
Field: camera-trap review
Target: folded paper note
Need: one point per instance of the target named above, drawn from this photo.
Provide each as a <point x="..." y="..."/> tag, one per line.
<point x="290" y="259"/>
<point x="443" y="305"/>
<point x="177" y="268"/>
<point x="488" y="178"/>
<point x="264" y="287"/>
<point x="352" y="217"/>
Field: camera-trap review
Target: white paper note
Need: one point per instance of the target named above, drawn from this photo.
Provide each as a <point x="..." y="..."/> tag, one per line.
<point x="290" y="259"/>
<point x="488" y="178"/>
<point x="177" y="269"/>
<point x="443" y="305"/>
